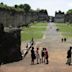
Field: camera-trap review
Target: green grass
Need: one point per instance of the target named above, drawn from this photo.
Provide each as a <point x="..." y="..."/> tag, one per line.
<point x="66" y="29"/>
<point x="35" y="30"/>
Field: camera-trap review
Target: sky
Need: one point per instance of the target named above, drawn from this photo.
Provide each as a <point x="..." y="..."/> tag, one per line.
<point x="50" y="5"/>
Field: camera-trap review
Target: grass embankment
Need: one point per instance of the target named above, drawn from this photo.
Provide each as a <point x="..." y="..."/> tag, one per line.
<point x="65" y="29"/>
<point x="36" y="31"/>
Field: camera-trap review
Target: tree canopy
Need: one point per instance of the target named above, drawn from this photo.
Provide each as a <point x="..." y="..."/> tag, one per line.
<point x="69" y="11"/>
<point x="27" y="7"/>
<point x="21" y="8"/>
<point x="18" y="8"/>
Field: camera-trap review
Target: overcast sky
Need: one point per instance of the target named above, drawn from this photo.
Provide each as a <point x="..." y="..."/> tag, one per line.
<point x="50" y="5"/>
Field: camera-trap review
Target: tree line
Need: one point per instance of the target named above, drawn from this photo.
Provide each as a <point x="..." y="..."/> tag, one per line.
<point x="21" y="8"/>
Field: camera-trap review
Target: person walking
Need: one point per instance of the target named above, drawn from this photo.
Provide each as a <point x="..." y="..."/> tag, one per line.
<point x="37" y="55"/>
<point x="69" y="56"/>
<point x="62" y="40"/>
<point x="43" y="55"/>
<point x="33" y="57"/>
<point x="46" y="56"/>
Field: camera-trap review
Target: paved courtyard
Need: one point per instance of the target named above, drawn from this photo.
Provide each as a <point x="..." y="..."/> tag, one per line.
<point x="57" y="55"/>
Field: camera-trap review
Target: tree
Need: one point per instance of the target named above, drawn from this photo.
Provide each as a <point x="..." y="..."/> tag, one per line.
<point x="43" y="14"/>
<point x="16" y="6"/>
<point x="69" y="11"/>
<point x="1" y="3"/>
<point x="21" y="6"/>
<point x="27" y="8"/>
<point x="43" y="11"/>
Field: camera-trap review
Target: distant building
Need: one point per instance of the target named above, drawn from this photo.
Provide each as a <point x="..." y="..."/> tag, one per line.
<point x="43" y="15"/>
<point x="59" y="17"/>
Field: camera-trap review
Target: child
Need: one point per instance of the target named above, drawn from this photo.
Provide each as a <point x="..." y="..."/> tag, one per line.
<point x="46" y="56"/>
<point x="37" y="55"/>
<point x="43" y="55"/>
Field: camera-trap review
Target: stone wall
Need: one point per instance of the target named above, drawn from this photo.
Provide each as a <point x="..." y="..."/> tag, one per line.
<point x="10" y="43"/>
<point x="15" y="19"/>
<point x="68" y="18"/>
<point x="11" y="18"/>
<point x="59" y="17"/>
<point x="61" y="20"/>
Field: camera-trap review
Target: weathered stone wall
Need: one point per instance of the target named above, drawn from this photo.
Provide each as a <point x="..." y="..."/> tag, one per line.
<point x="42" y="17"/>
<point x="68" y="18"/>
<point x="34" y="16"/>
<point x="11" y="18"/>
<point x="59" y="17"/>
<point x="59" y="20"/>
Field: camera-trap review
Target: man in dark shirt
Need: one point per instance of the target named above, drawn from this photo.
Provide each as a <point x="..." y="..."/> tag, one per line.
<point x="33" y="57"/>
<point x="69" y="56"/>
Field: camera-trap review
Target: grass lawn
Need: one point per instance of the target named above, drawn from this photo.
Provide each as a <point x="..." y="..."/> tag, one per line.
<point x="66" y="29"/>
<point x="36" y="31"/>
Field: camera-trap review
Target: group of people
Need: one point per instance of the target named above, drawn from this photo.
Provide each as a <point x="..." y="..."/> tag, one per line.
<point x="63" y="39"/>
<point x="40" y="58"/>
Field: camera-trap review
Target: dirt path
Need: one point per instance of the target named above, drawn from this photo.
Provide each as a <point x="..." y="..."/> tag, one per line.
<point x="57" y="55"/>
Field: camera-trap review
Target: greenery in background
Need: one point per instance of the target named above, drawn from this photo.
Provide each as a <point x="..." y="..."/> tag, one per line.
<point x="20" y="8"/>
<point x="36" y="31"/>
<point x="65" y="29"/>
<point x="69" y="11"/>
<point x="17" y="8"/>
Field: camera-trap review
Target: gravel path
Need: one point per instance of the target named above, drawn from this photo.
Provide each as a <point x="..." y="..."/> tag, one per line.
<point x="57" y="55"/>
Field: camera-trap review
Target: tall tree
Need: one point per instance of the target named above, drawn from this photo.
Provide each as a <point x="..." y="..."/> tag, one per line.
<point x="16" y="6"/>
<point x="21" y="6"/>
<point x="27" y="7"/>
<point x="69" y="11"/>
<point x="2" y="3"/>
